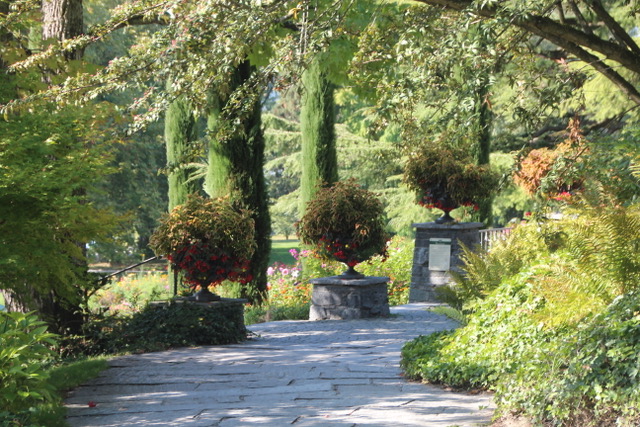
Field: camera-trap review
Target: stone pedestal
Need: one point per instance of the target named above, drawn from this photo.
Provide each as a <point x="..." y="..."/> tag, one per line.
<point x="334" y="298"/>
<point x="431" y="237"/>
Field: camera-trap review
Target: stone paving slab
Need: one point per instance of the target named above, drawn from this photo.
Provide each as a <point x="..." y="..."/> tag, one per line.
<point x="300" y="373"/>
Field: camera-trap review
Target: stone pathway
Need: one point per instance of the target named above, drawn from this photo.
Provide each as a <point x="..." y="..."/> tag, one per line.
<point x="301" y="373"/>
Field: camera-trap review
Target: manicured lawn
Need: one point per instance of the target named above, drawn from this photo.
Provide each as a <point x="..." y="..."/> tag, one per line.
<point x="280" y="250"/>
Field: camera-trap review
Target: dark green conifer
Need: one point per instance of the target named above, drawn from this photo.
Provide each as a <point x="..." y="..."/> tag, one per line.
<point x="482" y="149"/>
<point x="317" y="118"/>
<point x="235" y="169"/>
<point x="179" y="134"/>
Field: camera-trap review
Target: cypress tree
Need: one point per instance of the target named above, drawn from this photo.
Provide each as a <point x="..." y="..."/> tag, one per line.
<point x="179" y="134"/>
<point x="482" y="149"/>
<point x="482" y="134"/>
<point x="317" y="118"/>
<point x="236" y="169"/>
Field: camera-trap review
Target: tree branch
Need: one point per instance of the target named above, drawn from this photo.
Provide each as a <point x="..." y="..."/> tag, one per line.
<point x="141" y="20"/>
<point x="568" y="38"/>
<point x="580" y="17"/>
<point x="600" y="66"/>
<point x="616" y="29"/>
<point x="560" y="11"/>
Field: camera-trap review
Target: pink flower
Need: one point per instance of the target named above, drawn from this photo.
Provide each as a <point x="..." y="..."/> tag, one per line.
<point x="270" y="271"/>
<point x="565" y="195"/>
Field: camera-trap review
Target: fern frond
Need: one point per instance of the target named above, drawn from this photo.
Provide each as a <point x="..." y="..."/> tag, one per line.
<point x="451" y="313"/>
<point x="606" y="245"/>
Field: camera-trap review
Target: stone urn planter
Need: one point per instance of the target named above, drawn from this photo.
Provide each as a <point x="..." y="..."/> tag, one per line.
<point x="345" y="223"/>
<point x="208" y="241"/>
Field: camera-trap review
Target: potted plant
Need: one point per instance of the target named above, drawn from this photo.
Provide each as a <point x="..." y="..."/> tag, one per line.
<point x="446" y="178"/>
<point x="345" y="223"/>
<point x="209" y="241"/>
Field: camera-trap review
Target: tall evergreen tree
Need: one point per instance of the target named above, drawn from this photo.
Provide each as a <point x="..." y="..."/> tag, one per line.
<point x="482" y="132"/>
<point x="317" y="119"/>
<point x="179" y="134"/>
<point x="236" y="170"/>
<point x="482" y="147"/>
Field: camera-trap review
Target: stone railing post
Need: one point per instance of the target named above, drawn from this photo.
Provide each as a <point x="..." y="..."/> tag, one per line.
<point x="437" y="251"/>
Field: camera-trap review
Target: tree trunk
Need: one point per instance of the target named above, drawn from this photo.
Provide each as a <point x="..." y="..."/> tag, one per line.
<point x="317" y="118"/>
<point x="63" y="20"/>
<point x="236" y="169"/>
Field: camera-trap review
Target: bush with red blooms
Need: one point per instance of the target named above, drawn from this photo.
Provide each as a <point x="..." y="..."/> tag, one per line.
<point x="344" y="223"/>
<point x="209" y="240"/>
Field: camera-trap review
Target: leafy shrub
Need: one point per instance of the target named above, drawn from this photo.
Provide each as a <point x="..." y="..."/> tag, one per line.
<point x="172" y="325"/>
<point x="397" y="266"/>
<point x="557" y="336"/>
<point x="483" y="271"/>
<point x="345" y="223"/>
<point x="130" y="293"/>
<point x="25" y="348"/>
<point x="209" y="240"/>
<point x="586" y="376"/>
<point x="446" y="177"/>
<point x="489" y="346"/>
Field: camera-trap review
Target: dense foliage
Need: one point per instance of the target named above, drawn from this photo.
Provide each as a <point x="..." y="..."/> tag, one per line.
<point x="162" y="327"/>
<point x="345" y="223"/>
<point x="235" y="168"/>
<point x="209" y="240"/>
<point x="446" y="177"/>
<point x="25" y="348"/>
<point x="551" y="332"/>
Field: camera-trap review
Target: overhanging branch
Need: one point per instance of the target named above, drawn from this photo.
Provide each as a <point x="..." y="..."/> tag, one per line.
<point x="573" y="40"/>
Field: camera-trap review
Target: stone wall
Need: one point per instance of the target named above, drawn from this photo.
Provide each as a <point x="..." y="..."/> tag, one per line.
<point x="424" y="279"/>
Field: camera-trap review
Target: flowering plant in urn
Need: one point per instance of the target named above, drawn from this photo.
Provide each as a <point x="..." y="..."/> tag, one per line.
<point x="446" y="178"/>
<point x="208" y="240"/>
<point x="345" y="223"/>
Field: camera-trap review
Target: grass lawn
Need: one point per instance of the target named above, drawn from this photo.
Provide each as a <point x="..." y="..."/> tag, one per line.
<point x="280" y="250"/>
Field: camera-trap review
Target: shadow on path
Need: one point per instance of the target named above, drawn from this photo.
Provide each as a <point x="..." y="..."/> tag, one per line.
<point x="300" y="373"/>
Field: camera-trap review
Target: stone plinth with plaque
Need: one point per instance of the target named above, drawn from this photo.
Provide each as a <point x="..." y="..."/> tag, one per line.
<point x="336" y="298"/>
<point x="437" y="251"/>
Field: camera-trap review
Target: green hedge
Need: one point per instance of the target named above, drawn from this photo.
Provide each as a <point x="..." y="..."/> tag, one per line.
<point x="176" y="324"/>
